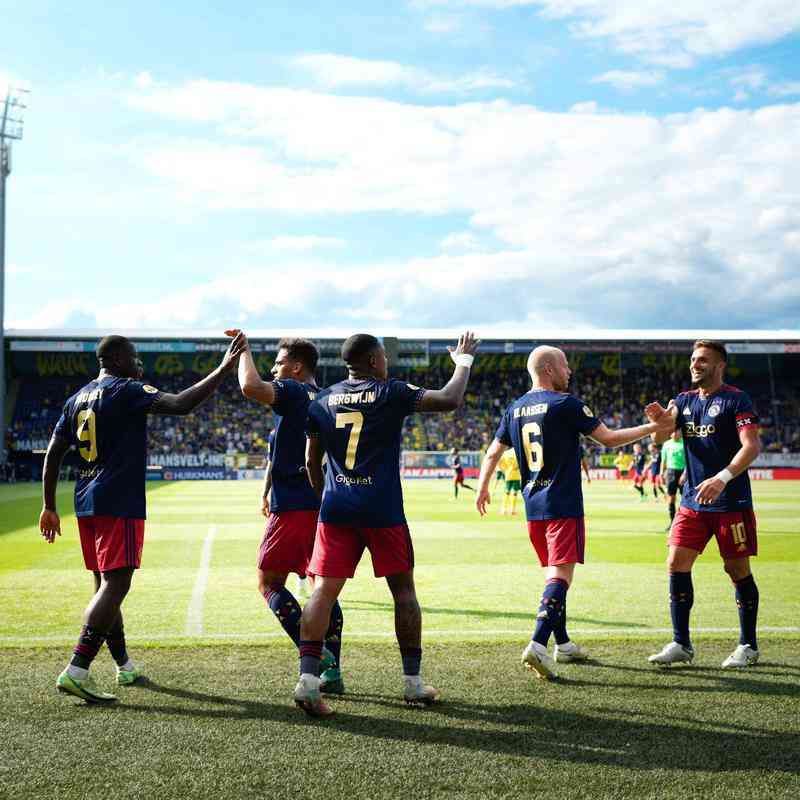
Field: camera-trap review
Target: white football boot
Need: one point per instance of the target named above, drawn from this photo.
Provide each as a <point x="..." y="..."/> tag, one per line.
<point x="536" y="658"/>
<point x="743" y="656"/>
<point x="307" y="696"/>
<point x="415" y="692"/>
<point x="569" y="651"/>
<point x="673" y="653"/>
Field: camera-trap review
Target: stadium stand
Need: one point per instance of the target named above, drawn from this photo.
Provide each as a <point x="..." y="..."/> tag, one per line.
<point x="616" y="385"/>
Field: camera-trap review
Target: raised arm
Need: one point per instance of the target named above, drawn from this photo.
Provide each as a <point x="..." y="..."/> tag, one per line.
<point x="49" y="522"/>
<point x="314" y="454"/>
<point x="622" y="436"/>
<point x="711" y="488"/>
<point x="490" y="461"/>
<point x="189" y="399"/>
<point x="450" y="396"/>
<point x="253" y="386"/>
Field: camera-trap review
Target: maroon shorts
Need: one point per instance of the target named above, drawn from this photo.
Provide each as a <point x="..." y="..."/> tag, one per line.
<point x="338" y="549"/>
<point x="111" y="542"/>
<point x="735" y="531"/>
<point x="458" y="477"/>
<point x="558" y="541"/>
<point x="288" y="542"/>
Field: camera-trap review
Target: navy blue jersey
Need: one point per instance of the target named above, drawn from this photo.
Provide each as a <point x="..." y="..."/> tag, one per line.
<point x="106" y="421"/>
<point x="360" y="423"/>
<point x="655" y="463"/>
<point x="639" y="461"/>
<point x="455" y="463"/>
<point x="291" y="490"/>
<point x="710" y="429"/>
<point x="544" y="429"/>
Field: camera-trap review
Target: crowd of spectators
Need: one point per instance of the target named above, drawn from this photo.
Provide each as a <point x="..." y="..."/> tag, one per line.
<point x="229" y="424"/>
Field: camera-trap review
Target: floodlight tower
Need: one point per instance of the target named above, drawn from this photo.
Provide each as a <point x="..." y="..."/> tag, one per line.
<point x="12" y="110"/>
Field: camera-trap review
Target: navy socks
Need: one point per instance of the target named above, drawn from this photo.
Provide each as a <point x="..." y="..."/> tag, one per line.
<point x="551" y="616"/>
<point x="681" y="599"/>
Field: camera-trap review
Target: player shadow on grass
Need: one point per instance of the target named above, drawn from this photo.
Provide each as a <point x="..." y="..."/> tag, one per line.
<point x="527" y="731"/>
<point x="693" y="679"/>
<point x="530" y="616"/>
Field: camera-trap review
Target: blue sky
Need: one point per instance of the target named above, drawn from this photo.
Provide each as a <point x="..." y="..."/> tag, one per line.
<point x="433" y="163"/>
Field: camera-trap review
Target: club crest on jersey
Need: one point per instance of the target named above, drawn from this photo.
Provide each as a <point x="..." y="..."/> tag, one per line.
<point x="588" y="411"/>
<point x="714" y="410"/>
<point x="149" y="389"/>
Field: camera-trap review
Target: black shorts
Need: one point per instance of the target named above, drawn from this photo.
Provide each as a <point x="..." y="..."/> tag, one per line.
<point x="673" y="476"/>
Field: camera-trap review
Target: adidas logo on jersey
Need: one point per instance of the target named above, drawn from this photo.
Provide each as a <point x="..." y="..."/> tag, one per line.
<point x="687" y="412"/>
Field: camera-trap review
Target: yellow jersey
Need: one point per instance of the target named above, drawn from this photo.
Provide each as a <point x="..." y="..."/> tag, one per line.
<point x="508" y="463"/>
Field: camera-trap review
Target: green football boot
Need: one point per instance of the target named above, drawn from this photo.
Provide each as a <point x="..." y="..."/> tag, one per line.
<point x="86" y="689"/>
<point x="331" y="681"/>
<point x="326" y="660"/>
<point x="127" y="677"/>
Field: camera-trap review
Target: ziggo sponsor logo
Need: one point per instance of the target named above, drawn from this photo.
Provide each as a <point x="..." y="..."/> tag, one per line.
<point x="699" y="430"/>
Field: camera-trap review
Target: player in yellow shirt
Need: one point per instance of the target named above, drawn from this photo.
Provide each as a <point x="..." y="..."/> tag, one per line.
<point x="623" y="463"/>
<point x="508" y="463"/>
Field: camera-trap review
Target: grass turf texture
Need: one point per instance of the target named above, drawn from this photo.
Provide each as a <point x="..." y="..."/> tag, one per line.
<point x="219" y="719"/>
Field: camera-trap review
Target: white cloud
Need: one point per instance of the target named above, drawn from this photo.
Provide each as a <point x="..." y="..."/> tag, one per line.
<point x="627" y="80"/>
<point x="755" y="79"/>
<point x="144" y="80"/>
<point x="672" y="34"/>
<point x="785" y="89"/>
<point x="464" y="241"/>
<point x="299" y="244"/>
<point x="333" y="71"/>
<point x="594" y="218"/>
<point x="590" y="107"/>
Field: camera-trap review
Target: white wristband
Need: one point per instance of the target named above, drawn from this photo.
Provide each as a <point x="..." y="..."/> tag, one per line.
<point x="462" y="359"/>
<point x="724" y="475"/>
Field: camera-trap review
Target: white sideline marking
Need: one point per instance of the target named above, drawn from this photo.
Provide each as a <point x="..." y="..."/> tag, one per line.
<point x="194" y="616"/>
<point x="428" y="635"/>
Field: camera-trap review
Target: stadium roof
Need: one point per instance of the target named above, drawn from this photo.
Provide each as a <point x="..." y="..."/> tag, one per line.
<point x="507" y="334"/>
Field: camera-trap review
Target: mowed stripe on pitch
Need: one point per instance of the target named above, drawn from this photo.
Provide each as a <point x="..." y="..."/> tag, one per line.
<point x="194" y="615"/>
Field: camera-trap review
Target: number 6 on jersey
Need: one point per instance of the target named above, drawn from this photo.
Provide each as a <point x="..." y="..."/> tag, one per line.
<point x="356" y="419"/>
<point x="533" y="450"/>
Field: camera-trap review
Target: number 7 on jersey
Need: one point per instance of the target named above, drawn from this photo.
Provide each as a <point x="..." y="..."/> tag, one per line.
<point x="356" y="419"/>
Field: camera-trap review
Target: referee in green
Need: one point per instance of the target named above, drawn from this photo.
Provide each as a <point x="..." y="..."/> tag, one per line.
<point x="673" y="462"/>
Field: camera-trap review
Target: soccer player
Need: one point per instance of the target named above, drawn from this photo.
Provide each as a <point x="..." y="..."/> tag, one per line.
<point x="508" y="463"/>
<point x="106" y="421"/>
<point x="544" y="428"/>
<point x="673" y="461"/>
<point x="358" y="424"/>
<point x="639" y="459"/>
<point x="458" y="472"/>
<point x="720" y="435"/>
<point x="585" y="465"/>
<point x="267" y="486"/>
<point x="302" y="583"/>
<point x="293" y="503"/>
<point x="653" y="469"/>
<point x="623" y="463"/>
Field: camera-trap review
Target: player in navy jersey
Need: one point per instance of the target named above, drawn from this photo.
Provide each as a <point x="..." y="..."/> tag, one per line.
<point x="358" y="424"/>
<point x="106" y="421"/>
<point x="639" y="459"/>
<point x="653" y="470"/>
<point x="288" y="540"/>
<point x="458" y="472"/>
<point x="720" y="437"/>
<point x="544" y="428"/>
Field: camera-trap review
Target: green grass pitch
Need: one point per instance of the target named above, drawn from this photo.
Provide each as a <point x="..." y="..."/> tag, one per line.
<point x="215" y="716"/>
